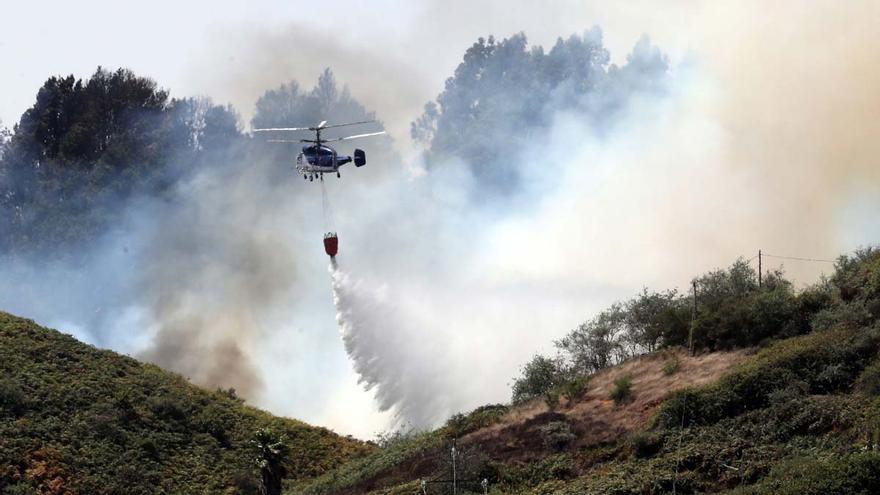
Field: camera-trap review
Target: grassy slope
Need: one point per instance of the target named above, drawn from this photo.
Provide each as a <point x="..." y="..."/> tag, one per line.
<point x="76" y="419"/>
<point x="802" y="416"/>
<point x="785" y="420"/>
<point x="511" y="437"/>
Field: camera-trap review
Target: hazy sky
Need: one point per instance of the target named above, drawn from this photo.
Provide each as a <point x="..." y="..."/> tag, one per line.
<point x="234" y="50"/>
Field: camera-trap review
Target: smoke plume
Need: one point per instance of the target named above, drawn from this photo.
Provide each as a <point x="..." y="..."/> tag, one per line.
<point x="766" y="138"/>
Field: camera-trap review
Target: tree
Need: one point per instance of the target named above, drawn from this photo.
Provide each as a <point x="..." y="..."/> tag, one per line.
<point x="654" y="318"/>
<point x="598" y="343"/>
<point x="505" y="91"/>
<point x="538" y="377"/>
<point x="86" y="146"/>
<point x="271" y="455"/>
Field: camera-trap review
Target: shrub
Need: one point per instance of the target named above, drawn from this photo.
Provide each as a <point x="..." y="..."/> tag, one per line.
<point x="217" y="421"/>
<point x="551" y="398"/>
<point x="835" y="376"/>
<point x="557" y="435"/>
<point x="671" y="366"/>
<point x="554" y="467"/>
<point x="12" y="398"/>
<point x="461" y="424"/>
<point x="645" y="444"/>
<point x="826" y="362"/>
<point x="575" y="388"/>
<point x="622" y="391"/>
<point x="394" y="438"/>
<point x="868" y="382"/>
<point x="169" y="408"/>
<point x="20" y="488"/>
<point x="790" y="392"/>
<point x="539" y="376"/>
<point x="857" y="474"/>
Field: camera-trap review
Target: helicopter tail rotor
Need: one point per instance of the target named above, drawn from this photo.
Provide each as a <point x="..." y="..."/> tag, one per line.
<point x="360" y="158"/>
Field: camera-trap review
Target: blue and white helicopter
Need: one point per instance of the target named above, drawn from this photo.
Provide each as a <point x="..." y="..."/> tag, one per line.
<point x="316" y="158"/>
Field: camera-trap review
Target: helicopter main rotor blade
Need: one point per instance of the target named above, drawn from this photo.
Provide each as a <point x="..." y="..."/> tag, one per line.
<point x="282" y="141"/>
<point x="356" y="136"/>
<point x="322" y="126"/>
<point x="271" y="129"/>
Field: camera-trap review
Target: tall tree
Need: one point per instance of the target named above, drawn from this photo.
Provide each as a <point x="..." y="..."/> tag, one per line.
<point x="87" y="145"/>
<point x="504" y="94"/>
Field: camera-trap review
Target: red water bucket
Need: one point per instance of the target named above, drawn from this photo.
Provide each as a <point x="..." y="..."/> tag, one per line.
<point x="331" y="244"/>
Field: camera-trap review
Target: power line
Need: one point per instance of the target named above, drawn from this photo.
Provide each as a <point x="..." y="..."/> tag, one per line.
<point x="796" y="258"/>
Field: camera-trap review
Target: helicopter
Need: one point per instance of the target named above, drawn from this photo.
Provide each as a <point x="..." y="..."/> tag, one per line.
<point x="317" y="158"/>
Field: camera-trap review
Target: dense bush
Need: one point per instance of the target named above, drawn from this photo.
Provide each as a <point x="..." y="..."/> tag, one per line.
<point x="555" y="467"/>
<point x="645" y="444"/>
<point x="575" y="387"/>
<point x="869" y="381"/>
<point x="826" y="362"/>
<point x="622" y="391"/>
<point x="539" y="376"/>
<point x="557" y="435"/>
<point x="461" y="424"/>
<point x="12" y="397"/>
<point x="852" y="474"/>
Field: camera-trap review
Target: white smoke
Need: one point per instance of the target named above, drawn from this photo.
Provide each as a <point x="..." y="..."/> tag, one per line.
<point x="768" y="140"/>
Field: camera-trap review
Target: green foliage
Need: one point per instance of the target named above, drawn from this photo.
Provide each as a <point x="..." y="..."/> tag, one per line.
<point x="575" y="387"/>
<point x="598" y="343"/>
<point x="732" y="312"/>
<point x="86" y="145"/>
<point x="622" y="391"/>
<point x="539" y="376"/>
<point x="868" y="382"/>
<point x="102" y="423"/>
<point x="270" y="456"/>
<point x="557" y="435"/>
<point x="553" y="468"/>
<point x="671" y="366"/>
<point x="826" y="362"/>
<point x="503" y="88"/>
<point x="784" y="421"/>
<point x="645" y="444"/>
<point x="12" y="398"/>
<point x="400" y="461"/>
<point x="857" y="276"/>
<point x="87" y="149"/>
<point x="855" y="473"/>
<point x="655" y="318"/>
<point x="461" y="424"/>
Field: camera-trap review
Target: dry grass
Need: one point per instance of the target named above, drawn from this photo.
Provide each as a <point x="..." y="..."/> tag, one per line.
<point x="594" y="417"/>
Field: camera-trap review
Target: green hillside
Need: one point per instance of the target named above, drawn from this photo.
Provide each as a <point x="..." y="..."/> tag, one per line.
<point x="782" y="398"/>
<point x="78" y="420"/>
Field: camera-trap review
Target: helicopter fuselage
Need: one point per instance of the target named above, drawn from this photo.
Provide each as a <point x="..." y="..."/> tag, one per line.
<point x="320" y="159"/>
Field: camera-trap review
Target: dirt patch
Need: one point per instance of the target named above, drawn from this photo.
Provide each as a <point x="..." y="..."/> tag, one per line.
<point x="594" y="417"/>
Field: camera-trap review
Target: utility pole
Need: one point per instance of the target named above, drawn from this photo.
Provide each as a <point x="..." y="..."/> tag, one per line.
<point x="759" y="269"/>
<point x="693" y="320"/>
<point x="454" y="484"/>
